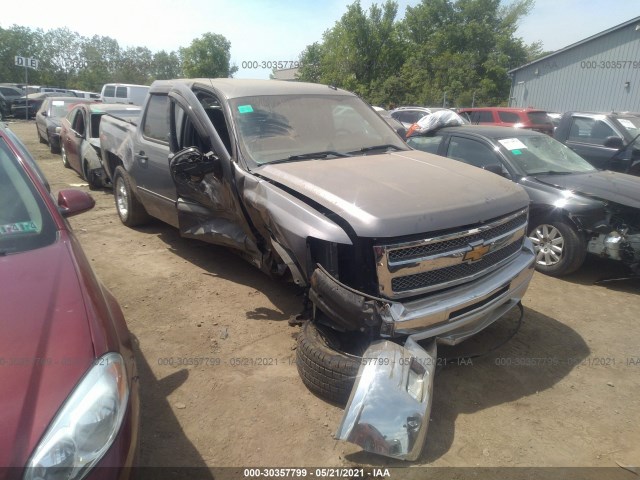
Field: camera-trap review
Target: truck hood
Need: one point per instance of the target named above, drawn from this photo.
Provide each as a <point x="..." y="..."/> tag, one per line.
<point x="605" y="185"/>
<point x="400" y="193"/>
<point x="45" y="342"/>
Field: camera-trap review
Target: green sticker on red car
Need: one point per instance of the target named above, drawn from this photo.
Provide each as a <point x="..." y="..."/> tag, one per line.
<point x="19" y="227"/>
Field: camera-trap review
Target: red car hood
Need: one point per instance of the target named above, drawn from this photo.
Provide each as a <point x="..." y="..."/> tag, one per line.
<point x="45" y="344"/>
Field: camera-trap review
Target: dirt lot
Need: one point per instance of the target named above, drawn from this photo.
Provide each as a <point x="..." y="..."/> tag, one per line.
<point x="562" y="392"/>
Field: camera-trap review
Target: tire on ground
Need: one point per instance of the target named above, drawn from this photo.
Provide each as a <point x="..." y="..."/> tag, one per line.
<point x="324" y="370"/>
<point x="135" y="212"/>
<point x="574" y="251"/>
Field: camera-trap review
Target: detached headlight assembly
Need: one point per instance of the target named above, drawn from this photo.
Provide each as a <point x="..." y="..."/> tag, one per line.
<point x="86" y="426"/>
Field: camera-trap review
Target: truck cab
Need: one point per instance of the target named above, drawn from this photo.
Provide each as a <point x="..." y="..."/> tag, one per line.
<point x="609" y="141"/>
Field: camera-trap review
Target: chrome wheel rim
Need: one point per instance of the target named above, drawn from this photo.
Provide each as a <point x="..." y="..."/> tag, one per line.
<point x="548" y="244"/>
<point x="122" y="198"/>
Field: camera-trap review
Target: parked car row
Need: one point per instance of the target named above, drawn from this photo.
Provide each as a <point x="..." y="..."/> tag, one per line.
<point x="361" y="220"/>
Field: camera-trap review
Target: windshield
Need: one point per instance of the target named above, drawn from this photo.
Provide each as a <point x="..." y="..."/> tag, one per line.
<point x="542" y="154"/>
<point x="25" y="223"/>
<point x="632" y="125"/>
<point x="279" y="127"/>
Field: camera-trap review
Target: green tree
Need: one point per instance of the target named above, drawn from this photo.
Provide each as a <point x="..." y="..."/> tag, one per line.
<point x="208" y="56"/>
<point x="458" y="51"/>
<point x="101" y="56"/>
<point x="166" y="65"/>
<point x="134" y="66"/>
<point x="310" y="63"/>
<point x="362" y="49"/>
<point x="463" y="49"/>
<point x="19" y="41"/>
<point x="61" y="57"/>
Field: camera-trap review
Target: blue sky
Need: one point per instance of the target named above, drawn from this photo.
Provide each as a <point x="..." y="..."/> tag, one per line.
<point x="278" y="30"/>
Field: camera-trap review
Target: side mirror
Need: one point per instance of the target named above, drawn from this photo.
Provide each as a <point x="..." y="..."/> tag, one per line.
<point x="44" y="114"/>
<point x="497" y="169"/>
<point x="72" y="202"/>
<point x="191" y="162"/>
<point x="614" y="142"/>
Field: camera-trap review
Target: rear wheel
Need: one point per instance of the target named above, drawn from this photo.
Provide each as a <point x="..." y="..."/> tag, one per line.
<point x="130" y="210"/>
<point x="323" y="367"/>
<point x="65" y="160"/>
<point x="560" y="249"/>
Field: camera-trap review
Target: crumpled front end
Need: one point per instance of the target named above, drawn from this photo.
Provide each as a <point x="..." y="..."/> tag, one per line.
<point x="482" y="273"/>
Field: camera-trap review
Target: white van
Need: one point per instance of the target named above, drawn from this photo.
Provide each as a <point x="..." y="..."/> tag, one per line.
<point x="124" y="93"/>
<point x="84" y="94"/>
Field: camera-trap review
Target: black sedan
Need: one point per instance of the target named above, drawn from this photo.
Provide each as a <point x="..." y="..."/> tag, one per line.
<point x="32" y="103"/>
<point x="575" y="208"/>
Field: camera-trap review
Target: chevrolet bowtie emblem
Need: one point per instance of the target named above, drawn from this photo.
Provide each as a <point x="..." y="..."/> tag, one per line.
<point x="476" y="253"/>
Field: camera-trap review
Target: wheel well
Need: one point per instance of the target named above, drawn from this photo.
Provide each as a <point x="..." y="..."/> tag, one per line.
<point x="113" y="162"/>
<point x="540" y="216"/>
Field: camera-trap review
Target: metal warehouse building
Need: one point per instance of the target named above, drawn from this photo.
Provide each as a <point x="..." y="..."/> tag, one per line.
<point x="599" y="73"/>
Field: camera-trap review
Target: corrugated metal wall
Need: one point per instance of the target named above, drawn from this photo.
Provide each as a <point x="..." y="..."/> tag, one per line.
<point x="586" y="77"/>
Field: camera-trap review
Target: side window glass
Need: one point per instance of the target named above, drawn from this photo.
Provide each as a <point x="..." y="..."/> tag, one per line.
<point x="121" y="92"/>
<point x="472" y="152"/>
<point x="213" y="108"/>
<point x="110" y="91"/>
<point x="580" y="129"/>
<point x="156" y="119"/>
<point x="426" y="144"/>
<point x="600" y="131"/>
<point x="78" y="123"/>
<point x="485" y="117"/>
<point x="590" y="130"/>
<point x="508" y="117"/>
<point x="186" y="134"/>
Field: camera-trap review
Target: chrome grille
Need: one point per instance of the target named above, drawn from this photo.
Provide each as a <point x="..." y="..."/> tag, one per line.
<point x="421" y="266"/>
<point x="455" y="243"/>
<point x="448" y="274"/>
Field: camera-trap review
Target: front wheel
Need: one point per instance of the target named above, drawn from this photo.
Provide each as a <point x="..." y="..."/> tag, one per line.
<point x="560" y="249"/>
<point x="324" y="368"/>
<point x="130" y="210"/>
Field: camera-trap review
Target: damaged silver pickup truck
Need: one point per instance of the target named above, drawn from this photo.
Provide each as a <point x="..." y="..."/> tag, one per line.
<point x="396" y="252"/>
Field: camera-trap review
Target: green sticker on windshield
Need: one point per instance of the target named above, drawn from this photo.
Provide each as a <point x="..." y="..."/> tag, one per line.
<point x="20" y="227"/>
<point x="516" y="152"/>
<point x="245" y="108"/>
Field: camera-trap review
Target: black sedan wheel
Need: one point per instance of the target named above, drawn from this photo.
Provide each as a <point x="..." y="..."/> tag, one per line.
<point x="559" y="248"/>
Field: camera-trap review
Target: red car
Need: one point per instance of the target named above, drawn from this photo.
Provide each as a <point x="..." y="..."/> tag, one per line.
<point x="70" y="401"/>
<point x="529" y="118"/>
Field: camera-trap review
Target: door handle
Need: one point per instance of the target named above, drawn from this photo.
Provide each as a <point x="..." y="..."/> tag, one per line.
<point x="141" y="157"/>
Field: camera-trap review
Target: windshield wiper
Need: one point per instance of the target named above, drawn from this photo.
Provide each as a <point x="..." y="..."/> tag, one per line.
<point x="310" y="156"/>
<point x="386" y="146"/>
<point x="553" y="172"/>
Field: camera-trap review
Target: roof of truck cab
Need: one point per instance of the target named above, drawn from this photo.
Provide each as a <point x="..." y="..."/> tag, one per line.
<point x="237" y="88"/>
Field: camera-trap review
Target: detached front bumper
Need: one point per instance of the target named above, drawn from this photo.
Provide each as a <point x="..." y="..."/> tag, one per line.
<point x="451" y="316"/>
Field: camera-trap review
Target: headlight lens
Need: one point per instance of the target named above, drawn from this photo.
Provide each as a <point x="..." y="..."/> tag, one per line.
<point x="86" y="425"/>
